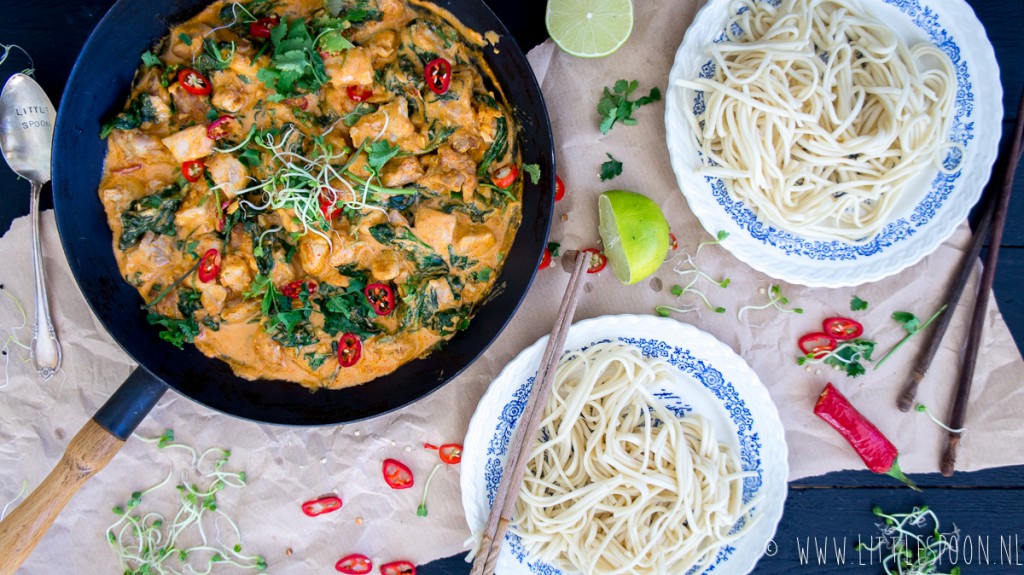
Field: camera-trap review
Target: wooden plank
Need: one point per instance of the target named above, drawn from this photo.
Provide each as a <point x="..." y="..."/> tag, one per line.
<point x="1000" y="477"/>
<point x="1002" y="21"/>
<point x="818" y="522"/>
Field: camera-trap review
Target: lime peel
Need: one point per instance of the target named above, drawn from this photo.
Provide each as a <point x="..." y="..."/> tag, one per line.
<point x="634" y="233"/>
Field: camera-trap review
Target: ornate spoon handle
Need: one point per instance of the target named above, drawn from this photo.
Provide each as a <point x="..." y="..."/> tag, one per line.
<point x="45" y="347"/>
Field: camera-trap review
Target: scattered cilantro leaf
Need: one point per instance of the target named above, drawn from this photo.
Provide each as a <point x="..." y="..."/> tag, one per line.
<point x="615" y="105"/>
<point x="610" y="169"/>
<point x="553" y="247"/>
<point x="534" y="171"/>
<point x="857" y="304"/>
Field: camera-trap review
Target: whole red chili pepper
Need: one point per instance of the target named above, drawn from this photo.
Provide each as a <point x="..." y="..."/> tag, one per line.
<point x="321" y="505"/>
<point x="878" y="453"/>
<point x="398" y="568"/>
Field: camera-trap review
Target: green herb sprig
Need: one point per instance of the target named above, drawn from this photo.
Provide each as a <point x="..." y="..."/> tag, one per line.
<point x="912" y="325"/>
<point x="611" y="168"/>
<point x="913" y="548"/>
<point x="615" y="105"/>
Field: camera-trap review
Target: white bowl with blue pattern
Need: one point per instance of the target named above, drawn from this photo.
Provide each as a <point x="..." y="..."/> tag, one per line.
<point x="935" y="203"/>
<point x="714" y="382"/>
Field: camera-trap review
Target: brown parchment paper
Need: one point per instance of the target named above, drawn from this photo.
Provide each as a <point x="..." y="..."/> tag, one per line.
<point x="286" y="466"/>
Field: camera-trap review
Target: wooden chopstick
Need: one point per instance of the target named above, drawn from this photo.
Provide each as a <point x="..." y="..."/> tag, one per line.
<point x="963" y="390"/>
<point x="924" y="360"/>
<point x="522" y="441"/>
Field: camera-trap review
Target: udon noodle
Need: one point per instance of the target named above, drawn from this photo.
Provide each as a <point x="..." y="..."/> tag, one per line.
<point x="819" y="115"/>
<point x="619" y="484"/>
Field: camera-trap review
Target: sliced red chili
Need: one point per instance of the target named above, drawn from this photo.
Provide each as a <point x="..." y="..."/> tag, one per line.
<point x="192" y="170"/>
<point x="673" y="242"/>
<point x="328" y="205"/>
<point x="842" y="328"/>
<point x="381" y="297"/>
<point x="358" y="93"/>
<point x="294" y="289"/>
<point x="817" y="344"/>
<point x="597" y="260"/>
<point x="219" y="127"/>
<point x="261" y="28"/>
<point x="396" y="474"/>
<point x="354" y="564"/>
<point x="545" y="260"/>
<point x="398" y="568"/>
<point x="209" y="266"/>
<point x="559" y="188"/>
<point x="450" y="453"/>
<point x="438" y="74"/>
<point x="504" y="177"/>
<point x="321" y="505"/>
<point x="193" y="82"/>
<point x="350" y="349"/>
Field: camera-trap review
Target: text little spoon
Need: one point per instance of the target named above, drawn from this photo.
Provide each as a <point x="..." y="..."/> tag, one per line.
<point x="26" y="136"/>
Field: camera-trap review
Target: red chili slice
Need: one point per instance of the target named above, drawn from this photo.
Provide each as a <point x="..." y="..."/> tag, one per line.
<point x="396" y="474"/>
<point x="597" y="260"/>
<point x="545" y="261"/>
<point x="261" y="28"/>
<point x="192" y="170"/>
<point x="398" y="568"/>
<point x="842" y="328"/>
<point x="350" y="349"/>
<point x="193" y="82"/>
<point x="504" y="177"/>
<point x="450" y="453"/>
<point x="209" y="266"/>
<point x="673" y="242"/>
<point x="218" y="128"/>
<point x="321" y="505"/>
<point x="559" y="188"/>
<point x="294" y="289"/>
<point x="358" y="93"/>
<point x="381" y="297"/>
<point x="817" y="344"/>
<point x="438" y="74"/>
<point x="354" y="564"/>
<point x="328" y="205"/>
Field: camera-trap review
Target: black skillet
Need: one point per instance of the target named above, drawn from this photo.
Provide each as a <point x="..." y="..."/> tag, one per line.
<point x="97" y="88"/>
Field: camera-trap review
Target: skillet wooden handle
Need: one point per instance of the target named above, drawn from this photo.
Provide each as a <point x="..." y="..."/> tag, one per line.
<point x="89" y="451"/>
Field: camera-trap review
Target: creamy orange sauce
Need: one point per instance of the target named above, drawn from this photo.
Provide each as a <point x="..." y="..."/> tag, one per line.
<point x="358" y="173"/>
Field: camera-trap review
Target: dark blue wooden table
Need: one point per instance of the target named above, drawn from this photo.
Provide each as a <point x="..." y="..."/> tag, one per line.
<point x="825" y="516"/>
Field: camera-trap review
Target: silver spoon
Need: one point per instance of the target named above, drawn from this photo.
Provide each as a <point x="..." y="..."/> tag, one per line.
<point x="26" y="135"/>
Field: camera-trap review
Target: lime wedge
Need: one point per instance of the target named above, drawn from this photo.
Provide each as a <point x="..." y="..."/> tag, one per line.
<point x="589" y="28"/>
<point x="634" y="233"/>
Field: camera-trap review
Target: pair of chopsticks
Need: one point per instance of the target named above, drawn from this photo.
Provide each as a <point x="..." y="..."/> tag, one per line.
<point x="994" y="217"/>
<point x="522" y="442"/>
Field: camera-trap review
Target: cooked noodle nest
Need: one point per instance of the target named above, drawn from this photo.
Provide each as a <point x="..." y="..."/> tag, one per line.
<point x="618" y="483"/>
<point x="820" y="117"/>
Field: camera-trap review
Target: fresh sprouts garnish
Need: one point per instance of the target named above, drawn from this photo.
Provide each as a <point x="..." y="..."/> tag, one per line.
<point x="12" y="337"/>
<point x="697" y="275"/>
<point x="146" y="542"/>
<point x="21" y="493"/>
<point x="847" y="356"/>
<point x="421" y="511"/>
<point x="922" y="409"/>
<point x="912" y="325"/>
<point x="5" y="51"/>
<point x="913" y="551"/>
<point x="775" y="300"/>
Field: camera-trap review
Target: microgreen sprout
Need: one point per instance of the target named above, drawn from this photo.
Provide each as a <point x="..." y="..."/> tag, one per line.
<point x="912" y="325"/>
<point x="775" y="300"/>
<point x="697" y="274"/>
<point x="847" y="356"/>
<point x="913" y="548"/>
<point x="21" y="493"/>
<point x="922" y="409"/>
<point x="12" y="337"/>
<point x="5" y="51"/>
<point x="146" y="542"/>
<point x="421" y="511"/>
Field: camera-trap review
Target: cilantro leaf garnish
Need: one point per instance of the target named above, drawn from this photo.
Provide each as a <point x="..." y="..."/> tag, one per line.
<point x="615" y="105"/>
<point x="296" y="66"/>
<point x="379" y="153"/>
<point x="912" y="325"/>
<point x="611" y="168"/>
<point x="534" y="171"/>
<point x="857" y="304"/>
